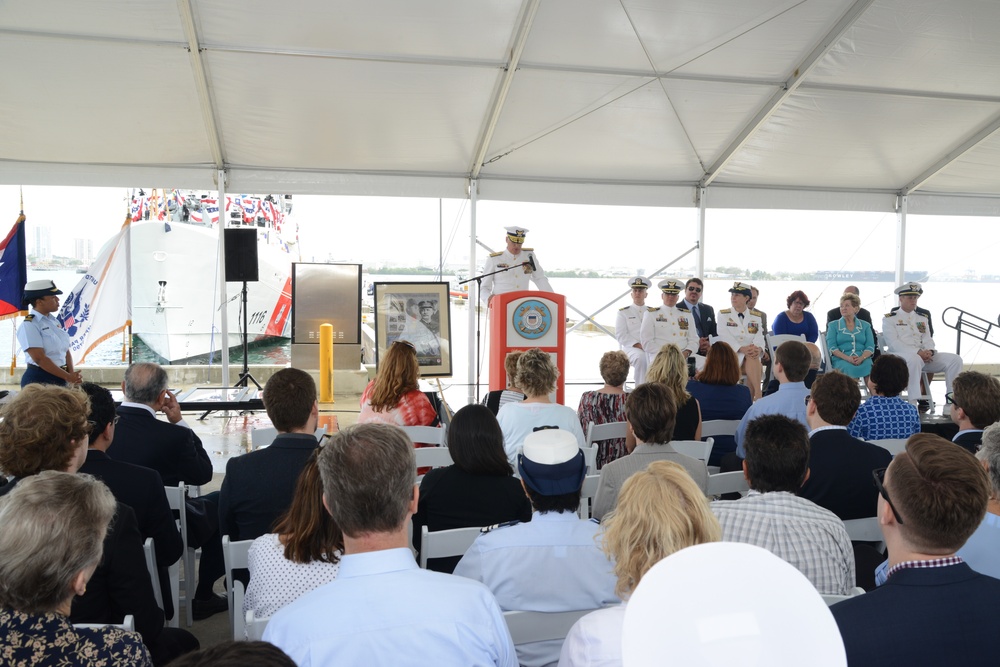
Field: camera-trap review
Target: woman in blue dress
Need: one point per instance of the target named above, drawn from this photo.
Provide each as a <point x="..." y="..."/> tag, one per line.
<point x="850" y="340"/>
<point x="796" y="321"/>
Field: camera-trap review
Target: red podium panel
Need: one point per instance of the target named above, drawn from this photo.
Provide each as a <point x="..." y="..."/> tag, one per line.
<point x="522" y="320"/>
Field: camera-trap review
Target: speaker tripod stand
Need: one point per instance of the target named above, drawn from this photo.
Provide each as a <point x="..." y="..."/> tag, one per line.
<point x="245" y="377"/>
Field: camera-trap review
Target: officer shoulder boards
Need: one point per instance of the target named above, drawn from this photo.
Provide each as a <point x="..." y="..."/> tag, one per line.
<point x="652" y="309"/>
<point x="486" y="529"/>
<point x="527" y="249"/>
<point x="756" y="313"/>
<point x="29" y="318"/>
<point x="681" y="306"/>
<point x="891" y="313"/>
<point x="725" y="311"/>
<point x="624" y="307"/>
<point x="496" y="254"/>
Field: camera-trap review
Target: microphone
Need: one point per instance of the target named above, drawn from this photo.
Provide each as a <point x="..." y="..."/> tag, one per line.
<point x="531" y="263"/>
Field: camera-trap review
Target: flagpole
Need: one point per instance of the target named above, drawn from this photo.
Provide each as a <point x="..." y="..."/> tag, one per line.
<point x="220" y="263"/>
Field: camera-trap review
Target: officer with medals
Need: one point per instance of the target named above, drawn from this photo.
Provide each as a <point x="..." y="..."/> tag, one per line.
<point x="670" y="324"/>
<point x="627" y="326"/>
<point x="907" y="332"/>
<point x="742" y="328"/>
<point x="525" y="268"/>
<point x="45" y="343"/>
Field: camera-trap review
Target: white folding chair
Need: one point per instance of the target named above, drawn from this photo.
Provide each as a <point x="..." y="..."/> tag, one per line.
<point x="255" y="626"/>
<point x="433" y="457"/>
<point x="538" y="626"/>
<point x="609" y="431"/>
<point x="892" y="445"/>
<point x="834" y="599"/>
<point x="590" y="459"/>
<point x="587" y="493"/>
<point x="727" y="482"/>
<point x="445" y="543"/>
<point x="865" y="530"/>
<point x="716" y="427"/>
<point x="149" y="551"/>
<point x="697" y="449"/>
<point x="176" y="497"/>
<point x="236" y="556"/>
<point x="128" y="623"/>
<point x="427" y="434"/>
<point x="262" y="437"/>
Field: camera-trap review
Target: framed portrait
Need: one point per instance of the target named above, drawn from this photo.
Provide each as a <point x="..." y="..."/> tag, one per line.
<point x="420" y="314"/>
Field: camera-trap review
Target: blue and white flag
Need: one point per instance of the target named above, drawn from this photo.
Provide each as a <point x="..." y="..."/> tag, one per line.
<point x="100" y="305"/>
<point x="13" y="271"/>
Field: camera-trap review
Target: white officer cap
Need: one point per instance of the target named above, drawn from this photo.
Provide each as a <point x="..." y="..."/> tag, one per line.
<point x="516" y="234"/>
<point x="909" y="289"/>
<point x="639" y="282"/>
<point x="671" y="286"/>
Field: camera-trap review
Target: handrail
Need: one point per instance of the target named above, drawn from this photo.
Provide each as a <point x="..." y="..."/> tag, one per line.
<point x="971" y="325"/>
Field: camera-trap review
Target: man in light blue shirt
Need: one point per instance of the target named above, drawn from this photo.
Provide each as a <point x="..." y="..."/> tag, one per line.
<point x="791" y="365"/>
<point x="382" y="609"/>
<point x="554" y="562"/>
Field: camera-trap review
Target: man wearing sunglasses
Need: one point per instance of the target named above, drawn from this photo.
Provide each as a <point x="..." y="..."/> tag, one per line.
<point x="704" y="314"/>
<point x="933" y="608"/>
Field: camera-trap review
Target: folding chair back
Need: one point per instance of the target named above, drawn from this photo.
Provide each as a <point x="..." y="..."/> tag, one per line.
<point x="834" y="599"/>
<point x="538" y="626"/>
<point x="177" y="499"/>
<point x="428" y="434"/>
<point x="236" y="556"/>
<point x="587" y="493"/>
<point x="255" y="626"/>
<point x="697" y="449"/>
<point x="892" y="445"/>
<point x="445" y="543"/>
<point x="727" y="482"/>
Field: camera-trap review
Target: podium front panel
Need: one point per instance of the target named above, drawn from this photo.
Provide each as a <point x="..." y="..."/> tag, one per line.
<point x="523" y="320"/>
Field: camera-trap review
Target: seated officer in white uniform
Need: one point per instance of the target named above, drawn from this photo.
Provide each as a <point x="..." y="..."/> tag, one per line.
<point x="524" y="263"/>
<point x="742" y="329"/>
<point x="670" y="324"/>
<point x="627" y="327"/>
<point x="553" y="563"/>
<point x="907" y="333"/>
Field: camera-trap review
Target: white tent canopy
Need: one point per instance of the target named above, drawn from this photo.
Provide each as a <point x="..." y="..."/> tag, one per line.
<point x="820" y="104"/>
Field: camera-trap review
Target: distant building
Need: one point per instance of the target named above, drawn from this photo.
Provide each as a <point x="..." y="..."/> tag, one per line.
<point x="84" y="250"/>
<point x="43" y="243"/>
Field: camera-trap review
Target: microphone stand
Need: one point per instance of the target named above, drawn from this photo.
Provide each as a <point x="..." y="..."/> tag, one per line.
<point x="479" y="290"/>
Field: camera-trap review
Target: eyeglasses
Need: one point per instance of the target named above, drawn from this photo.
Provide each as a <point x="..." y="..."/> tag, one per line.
<point x="114" y="422"/>
<point x="808" y="398"/>
<point x="949" y="399"/>
<point x="694" y="289"/>
<point x="879" y="478"/>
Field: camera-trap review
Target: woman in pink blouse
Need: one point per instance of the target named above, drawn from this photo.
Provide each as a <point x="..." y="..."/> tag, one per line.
<point x="393" y="396"/>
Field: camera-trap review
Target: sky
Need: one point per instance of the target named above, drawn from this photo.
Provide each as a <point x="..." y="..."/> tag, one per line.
<point x="409" y="231"/>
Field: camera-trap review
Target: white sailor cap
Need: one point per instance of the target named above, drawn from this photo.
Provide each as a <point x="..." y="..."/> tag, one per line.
<point x="516" y="234"/>
<point x="639" y="282"/>
<point x="909" y="289"/>
<point x="551" y="462"/>
<point x="671" y="286"/>
<point x="741" y="288"/>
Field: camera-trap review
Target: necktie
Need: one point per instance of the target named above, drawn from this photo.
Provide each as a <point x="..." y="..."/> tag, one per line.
<point x="741" y="316"/>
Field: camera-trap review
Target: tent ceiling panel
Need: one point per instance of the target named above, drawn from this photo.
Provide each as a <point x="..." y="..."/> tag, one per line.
<point x="818" y="139"/>
<point x="923" y="45"/>
<point x="448" y="29"/>
<point x="975" y="171"/>
<point x="98" y="103"/>
<point x="338" y="115"/>
<point x="109" y="19"/>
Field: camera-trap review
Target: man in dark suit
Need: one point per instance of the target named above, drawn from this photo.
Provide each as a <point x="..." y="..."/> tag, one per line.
<point x="841" y="466"/>
<point x="138" y="487"/>
<point x="172" y="449"/>
<point x="258" y="486"/>
<point x="975" y="404"/>
<point x="833" y="315"/>
<point x="704" y="314"/>
<point x="933" y="609"/>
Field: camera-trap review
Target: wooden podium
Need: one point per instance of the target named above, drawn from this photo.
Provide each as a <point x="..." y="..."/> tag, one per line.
<point x="522" y="320"/>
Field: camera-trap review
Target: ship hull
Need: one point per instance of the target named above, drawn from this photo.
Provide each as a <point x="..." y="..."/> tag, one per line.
<point x="176" y="301"/>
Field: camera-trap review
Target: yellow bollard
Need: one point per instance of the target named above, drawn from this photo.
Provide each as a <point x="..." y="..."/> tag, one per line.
<point x="326" y="363"/>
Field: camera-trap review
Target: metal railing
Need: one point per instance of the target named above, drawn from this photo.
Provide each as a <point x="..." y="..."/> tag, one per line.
<point x="972" y="325"/>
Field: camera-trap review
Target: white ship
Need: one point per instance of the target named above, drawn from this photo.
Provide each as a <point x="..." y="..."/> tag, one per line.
<point x="176" y="301"/>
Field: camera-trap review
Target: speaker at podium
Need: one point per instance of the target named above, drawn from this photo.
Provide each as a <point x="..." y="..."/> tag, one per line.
<point x="522" y="320"/>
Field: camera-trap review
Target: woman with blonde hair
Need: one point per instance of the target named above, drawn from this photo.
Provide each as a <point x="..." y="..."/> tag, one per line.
<point x="669" y="367"/>
<point x="607" y="405"/>
<point x="536" y="376"/>
<point x="393" y="397"/>
<point x="660" y="511"/>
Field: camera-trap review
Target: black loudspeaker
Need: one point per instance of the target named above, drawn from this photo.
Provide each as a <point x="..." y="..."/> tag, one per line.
<point x="241" y="255"/>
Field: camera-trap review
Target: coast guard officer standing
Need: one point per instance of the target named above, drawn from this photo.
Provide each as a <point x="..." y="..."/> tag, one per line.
<point x="627" y="327"/>
<point x="524" y="261"/>
<point x="742" y="328"/>
<point x="45" y="343"/>
<point x="908" y="335"/>
<point x="552" y="563"/>
<point x="670" y="324"/>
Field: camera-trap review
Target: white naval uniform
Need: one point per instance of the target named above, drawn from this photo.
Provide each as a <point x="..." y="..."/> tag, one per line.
<point x="669" y="325"/>
<point x="515" y="279"/>
<point x="905" y="333"/>
<point x="627" y="326"/>
<point x="738" y="331"/>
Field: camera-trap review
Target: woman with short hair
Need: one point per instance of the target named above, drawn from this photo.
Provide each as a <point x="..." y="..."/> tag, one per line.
<point x="479" y="489"/>
<point x="796" y="320"/>
<point x="607" y="405"/>
<point x="850" y="340"/>
<point x="536" y="376"/>
<point x="660" y="511"/>
<point x="886" y="416"/>
<point x="54" y="525"/>
<point x="301" y="554"/>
